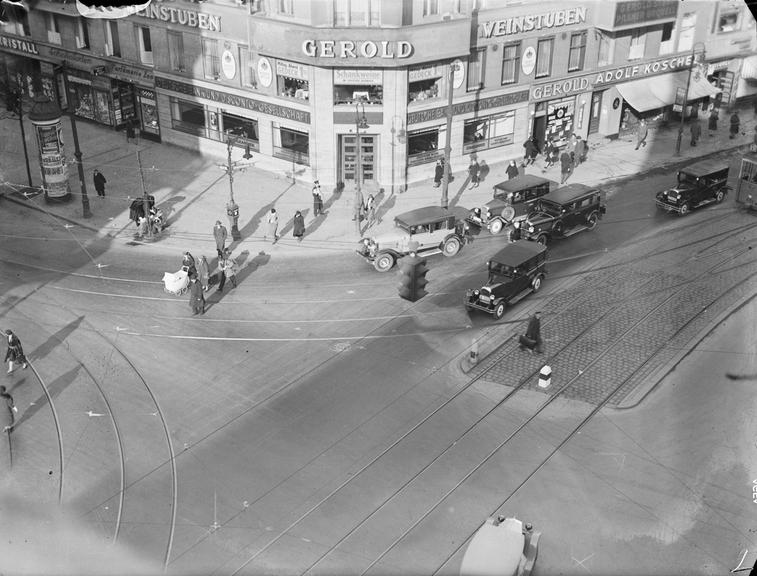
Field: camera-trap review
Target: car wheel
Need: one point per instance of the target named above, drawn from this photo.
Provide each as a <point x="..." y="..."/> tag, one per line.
<point x="541" y="239"/>
<point x="496" y="226"/>
<point x="451" y="246"/>
<point x="383" y="262"/>
<point x="591" y="221"/>
<point x="536" y="283"/>
<point x="719" y="196"/>
<point x="684" y="209"/>
<point x="499" y="311"/>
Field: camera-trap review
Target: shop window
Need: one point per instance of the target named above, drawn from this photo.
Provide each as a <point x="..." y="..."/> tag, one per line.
<point x="293" y="87"/>
<point x="211" y="63"/>
<point x="176" y="51"/>
<point x="430" y="7"/>
<point x="291" y="145"/>
<point x="425" y="146"/>
<point x="52" y="21"/>
<point x="144" y="41"/>
<point x="510" y="63"/>
<point x="82" y="34"/>
<point x="638" y="41"/>
<point x="544" y="57"/>
<point x="245" y="129"/>
<point x="728" y="20"/>
<point x="686" y="36"/>
<point x="356" y="13"/>
<point x="424" y="89"/>
<point x="577" y="52"/>
<point x="82" y="98"/>
<point x="491" y="132"/>
<point x="187" y="117"/>
<point x="476" y="69"/>
<point x="112" y="40"/>
<point x="666" y="40"/>
<point x="349" y="94"/>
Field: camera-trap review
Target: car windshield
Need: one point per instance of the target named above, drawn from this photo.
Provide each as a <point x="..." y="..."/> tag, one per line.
<point x="547" y="207"/>
<point x="684" y="178"/>
<point x="497" y="269"/>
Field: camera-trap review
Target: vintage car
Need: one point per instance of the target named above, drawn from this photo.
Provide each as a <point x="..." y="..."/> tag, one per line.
<point x="502" y="547"/>
<point x="514" y="272"/>
<point x="701" y="183"/>
<point x="563" y="212"/>
<point x="434" y="229"/>
<point x="512" y="201"/>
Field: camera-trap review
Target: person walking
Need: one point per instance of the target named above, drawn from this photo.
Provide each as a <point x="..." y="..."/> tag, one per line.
<point x="566" y="166"/>
<point x="317" y="199"/>
<point x="370" y="211"/>
<point x="203" y="271"/>
<point x="196" y="297"/>
<point x="712" y="122"/>
<point x="15" y="352"/>
<point x="272" y="225"/>
<point x="531" y="151"/>
<point x="100" y="181"/>
<point x="512" y="170"/>
<point x="228" y="268"/>
<point x="641" y="133"/>
<point x="735" y="122"/>
<point x="531" y="340"/>
<point x="550" y="155"/>
<point x="298" y="226"/>
<point x="188" y="262"/>
<point x="12" y="410"/>
<point x="232" y="212"/>
<point x="220" y="234"/>
<point x="570" y="148"/>
<point x="438" y="172"/>
<point x="696" y="131"/>
<point x="473" y="172"/>
<point x="580" y="151"/>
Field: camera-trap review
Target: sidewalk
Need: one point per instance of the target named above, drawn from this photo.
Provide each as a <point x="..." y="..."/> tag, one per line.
<point x="193" y="190"/>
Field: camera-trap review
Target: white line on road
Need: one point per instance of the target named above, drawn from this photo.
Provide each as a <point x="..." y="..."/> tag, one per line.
<point x="314" y="339"/>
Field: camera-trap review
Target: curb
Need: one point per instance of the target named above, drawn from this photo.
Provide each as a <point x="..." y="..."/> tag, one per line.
<point x="28" y="204"/>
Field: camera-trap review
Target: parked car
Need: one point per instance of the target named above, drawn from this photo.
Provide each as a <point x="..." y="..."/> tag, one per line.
<point x="512" y="201"/>
<point x="699" y="184"/>
<point x="563" y="212"/>
<point x="501" y="546"/>
<point x="514" y="272"/>
<point x="434" y="229"/>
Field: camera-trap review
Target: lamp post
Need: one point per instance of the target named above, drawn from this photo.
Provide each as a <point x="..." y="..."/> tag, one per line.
<point x="398" y="136"/>
<point x="15" y="104"/>
<point x="361" y="122"/>
<point x="448" y="143"/>
<point x="697" y="57"/>
<point x="232" y="209"/>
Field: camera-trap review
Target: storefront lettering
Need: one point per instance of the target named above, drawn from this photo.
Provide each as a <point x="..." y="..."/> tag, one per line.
<point x="638" y="11"/>
<point x="189" y="18"/>
<point x="466" y="107"/>
<point x="557" y="89"/>
<point x="233" y="100"/>
<point x="19" y="45"/>
<point x="629" y="72"/>
<point x="352" y="49"/>
<point x="122" y="71"/>
<point x="519" y="24"/>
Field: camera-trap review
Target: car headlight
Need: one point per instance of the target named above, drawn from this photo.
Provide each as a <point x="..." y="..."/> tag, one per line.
<point x="476" y="293"/>
<point x="531" y="228"/>
<point x="516" y="224"/>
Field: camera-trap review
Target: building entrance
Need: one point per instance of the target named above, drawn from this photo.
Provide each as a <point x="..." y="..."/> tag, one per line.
<point x="348" y="157"/>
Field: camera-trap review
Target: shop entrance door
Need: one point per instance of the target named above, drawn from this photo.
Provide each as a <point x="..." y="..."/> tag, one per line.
<point x="540" y="128"/>
<point x="348" y="157"/>
<point x="596" y="107"/>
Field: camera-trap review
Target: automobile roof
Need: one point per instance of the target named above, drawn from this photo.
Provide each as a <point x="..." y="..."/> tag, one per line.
<point x="428" y="214"/>
<point x="568" y="193"/>
<point x="517" y="253"/>
<point x="705" y="167"/>
<point x="520" y="182"/>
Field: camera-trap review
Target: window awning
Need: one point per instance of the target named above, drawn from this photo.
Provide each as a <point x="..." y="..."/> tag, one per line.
<point x="660" y="91"/>
<point x="749" y="68"/>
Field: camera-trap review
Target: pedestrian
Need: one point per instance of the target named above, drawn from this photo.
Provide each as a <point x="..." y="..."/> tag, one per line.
<point x="570" y="148"/>
<point x="550" y="154"/>
<point x="317" y="199"/>
<point x="529" y="156"/>
<point x="272" y="225"/>
<point x="203" y="271"/>
<point x="531" y="340"/>
<point x="196" y="297"/>
<point x="473" y="172"/>
<point x="220" y="234"/>
<point x="15" y="352"/>
<point x="99" y="183"/>
<point x="641" y="133"/>
<point x="580" y="151"/>
<point x="142" y="225"/>
<point x="696" y="131"/>
<point x="735" y="121"/>
<point x="512" y="170"/>
<point x="188" y="262"/>
<point x="12" y="410"/>
<point x="712" y="122"/>
<point x="566" y="166"/>
<point x="438" y="172"/>
<point x="298" y="225"/>
<point x="232" y="212"/>
<point x="370" y="210"/>
<point x="228" y="270"/>
<point x="130" y="133"/>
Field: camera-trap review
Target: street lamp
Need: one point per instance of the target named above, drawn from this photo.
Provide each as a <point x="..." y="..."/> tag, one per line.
<point x="232" y="209"/>
<point x="697" y="58"/>
<point x="15" y="105"/>
<point x="360" y="122"/>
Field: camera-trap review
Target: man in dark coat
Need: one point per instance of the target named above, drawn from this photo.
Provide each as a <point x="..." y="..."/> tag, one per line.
<point x="735" y="122"/>
<point x="473" y="172"/>
<point x="317" y="199"/>
<point x="298" y="226"/>
<point x="531" y="340"/>
<point x="566" y="166"/>
<point x="99" y="183"/>
<point x="531" y="150"/>
<point x="15" y="352"/>
<point x="196" y="297"/>
<point x="438" y="172"/>
<point x="512" y="170"/>
<point x="712" y="123"/>
<point x="696" y="131"/>
<point x="8" y="422"/>
<point x="220" y="234"/>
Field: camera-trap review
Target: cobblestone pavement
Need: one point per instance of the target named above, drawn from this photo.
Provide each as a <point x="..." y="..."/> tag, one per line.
<point x="635" y="310"/>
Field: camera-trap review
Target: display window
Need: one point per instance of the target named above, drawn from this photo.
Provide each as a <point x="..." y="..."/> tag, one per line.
<point x="245" y="129"/>
<point x="83" y="102"/>
<point x="424" y="89"/>
<point x="358" y="85"/>
<point x="490" y="132"/>
<point x="291" y="145"/>
<point x="188" y="117"/>
<point x="148" y="111"/>
<point x="293" y="87"/>
<point x="560" y="117"/>
<point x="425" y="146"/>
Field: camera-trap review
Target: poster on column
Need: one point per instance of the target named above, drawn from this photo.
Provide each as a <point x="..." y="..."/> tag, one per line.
<point x="52" y="160"/>
<point x="560" y="120"/>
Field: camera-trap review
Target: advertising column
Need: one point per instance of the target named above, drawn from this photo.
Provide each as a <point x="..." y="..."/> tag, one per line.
<point x="52" y="159"/>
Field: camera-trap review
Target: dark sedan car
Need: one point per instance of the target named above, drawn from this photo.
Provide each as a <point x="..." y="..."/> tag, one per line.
<point x="701" y="183"/>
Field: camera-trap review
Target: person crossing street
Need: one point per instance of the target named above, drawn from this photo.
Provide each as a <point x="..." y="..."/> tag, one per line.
<point x="15" y="352"/>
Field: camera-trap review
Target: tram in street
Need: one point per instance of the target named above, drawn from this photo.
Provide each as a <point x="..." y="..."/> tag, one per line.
<point x="746" y="185"/>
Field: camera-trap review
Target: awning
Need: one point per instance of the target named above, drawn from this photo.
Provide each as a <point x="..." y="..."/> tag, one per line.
<point x="749" y="68"/>
<point x="660" y="91"/>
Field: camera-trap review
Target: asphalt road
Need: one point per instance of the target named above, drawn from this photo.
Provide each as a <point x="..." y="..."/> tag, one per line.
<point x="313" y="421"/>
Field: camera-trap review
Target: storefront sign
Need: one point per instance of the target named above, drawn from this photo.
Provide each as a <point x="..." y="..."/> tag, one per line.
<point x="358" y="76"/>
<point x="292" y="70"/>
<point x="641" y="70"/>
<point x="520" y="24"/>
<point x="188" y="18"/>
<point x="16" y="45"/>
<point x="560" y="89"/>
<point x="425" y="73"/>
<point x="233" y="100"/>
<point x="130" y="73"/>
<point x="357" y="49"/>
<point x="228" y="64"/>
<point x="528" y="62"/>
<point x="265" y="73"/>
<point x="644" y="11"/>
<point x="467" y="107"/>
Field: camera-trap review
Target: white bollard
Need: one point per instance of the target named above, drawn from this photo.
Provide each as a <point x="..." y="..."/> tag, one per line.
<point x="545" y="376"/>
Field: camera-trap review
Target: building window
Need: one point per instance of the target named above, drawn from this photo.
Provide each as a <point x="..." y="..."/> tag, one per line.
<point x="286" y="7"/>
<point x="729" y="20"/>
<point x="424" y="146"/>
<point x="510" y="63"/>
<point x="247" y="67"/>
<point x="666" y="39"/>
<point x="356" y="13"/>
<point x="544" y="57"/>
<point x="245" y="129"/>
<point x="187" y="117"/>
<point x="211" y="63"/>
<point x="604" y="49"/>
<point x="293" y="87"/>
<point x="112" y="40"/>
<point x="82" y="34"/>
<point x="686" y="36"/>
<point x="16" y="20"/>
<point x="491" y="132"/>
<point x="52" y="22"/>
<point x="476" y="70"/>
<point x="577" y="52"/>
<point x="144" y="42"/>
<point x="638" y="40"/>
<point x="291" y="145"/>
<point x="176" y="51"/>
<point x="430" y="7"/>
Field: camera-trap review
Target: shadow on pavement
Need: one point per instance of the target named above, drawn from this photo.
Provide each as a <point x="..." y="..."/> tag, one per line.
<point x="55" y="388"/>
<point x="54" y="339"/>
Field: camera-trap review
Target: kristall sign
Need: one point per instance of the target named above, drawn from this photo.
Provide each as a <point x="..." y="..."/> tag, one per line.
<point x="520" y="24"/>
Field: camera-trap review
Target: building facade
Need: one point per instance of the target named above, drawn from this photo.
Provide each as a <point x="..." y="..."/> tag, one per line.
<point x="311" y="85"/>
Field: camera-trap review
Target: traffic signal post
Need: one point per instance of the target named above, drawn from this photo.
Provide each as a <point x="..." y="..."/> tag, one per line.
<point x="413" y="280"/>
